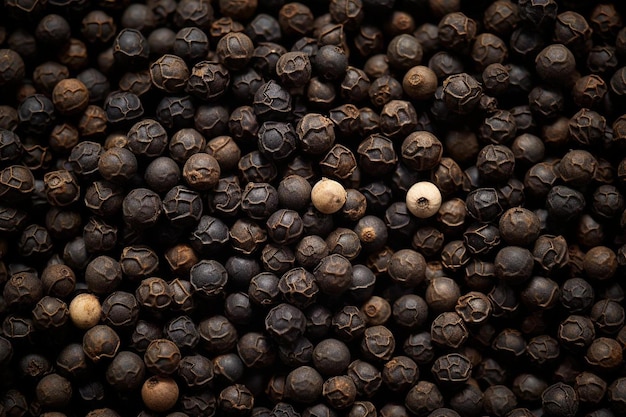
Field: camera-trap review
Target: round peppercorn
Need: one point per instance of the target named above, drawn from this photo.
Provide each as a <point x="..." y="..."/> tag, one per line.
<point x="423" y="398"/>
<point x="285" y="323"/>
<point x="499" y="400"/>
<point x="419" y="83"/>
<point x="452" y="369"/>
<point x="495" y="163"/>
<point x="54" y="391"/>
<point x="410" y="311"/>
<point x="607" y="315"/>
<point x="577" y="168"/>
<point x="159" y="393"/>
<point x="378" y="343"/>
<point x="294" y="69"/>
<point x="162" y="357"/>
<point x="331" y="357"/>
<point x="100" y="342"/>
<point x="473" y="307"/>
<point x="576" y="332"/>
<point x="328" y="196"/>
<point x="555" y="63"/>
<point x="333" y="274"/>
<point x="50" y="313"/>
<point x="442" y="294"/>
<point x="560" y="400"/>
<point x="519" y="226"/>
<point x="372" y="232"/>
<point x="70" y="96"/>
<point x="117" y="165"/>
<point x="496" y="78"/>
<point x="12" y="69"/>
<point x="600" y="263"/>
<point x="235" y="50"/>
<point x="304" y="385"/>
<point x="154" y="294"/>
<point x="201" y="171"/>
<point x="62" y="188"/>
<point x="423" y="199"/>
<point x="421" y="151"/>
<point x="400" y="373"/>
<point x="298" y="287"/>
<point x="564" y="203"/>
<point x="339" y="391"/>
<point x="366" y="378"/>
<point x="36" y="114"/>
<point x="120" y="309"/>
<point x="604" y="354"/>
<point x="461" y="93"/>
<point x="407" y="267"/>
<point x="85" y="311"/>
<point x="58" y="280"/>
<point x="208" y="277"/>
<point x="331" y="62"/>
<point x="259" y="200"/>
<point x="514" y="264"/>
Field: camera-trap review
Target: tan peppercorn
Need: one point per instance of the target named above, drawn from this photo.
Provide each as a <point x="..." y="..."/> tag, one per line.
<point x="85" y="311"/>
<point x="377" y="310"/>
<point x="420" y="83"/>
<point x="423" y="199"/>
<point x="159" y="393"/>
<point x="328" y="196"/>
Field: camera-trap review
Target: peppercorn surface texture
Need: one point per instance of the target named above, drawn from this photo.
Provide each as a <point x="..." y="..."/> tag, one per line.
<point x="314" y="208"/>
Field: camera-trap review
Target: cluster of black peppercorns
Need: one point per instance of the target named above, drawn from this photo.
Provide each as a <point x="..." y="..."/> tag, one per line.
<point x="325" y="208"/>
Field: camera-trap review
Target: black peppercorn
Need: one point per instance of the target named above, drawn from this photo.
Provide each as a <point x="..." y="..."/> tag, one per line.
<point x="456" y="31"/>
<point x="13" y="70"/>
<point x="120" y="309"/>
<point x="285" y="323"/>
<point x="277" y="140"/>
<point x="126" y="371"/>
<point x="423" y="398"/>
<point x="451" y="369"/>
<point x="54" y="391"/>
<point x="339" y="391"/>
<point x="154" y="294"/>
<point x="384" y="89"/>
<point x="473" y="307"/>
<point x="299" y="287"/>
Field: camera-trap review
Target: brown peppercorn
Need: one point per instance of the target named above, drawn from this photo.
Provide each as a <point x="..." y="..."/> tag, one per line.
<point x="54" y="391"/>
<point x="159" y="393"/>
<point x="377" y="311"/>
<point x="442" y="294"/>
<point x="169" y="73"/>
<point x="70" y="96"/>
<point x="201" y="171"/>
<point x="604" y="354"/>
<point x="62" y="188"/>
<point x="339" y="391"/>
<point x="421" y="151"/>
<point x="100" y="342"/>
<point x="419" y="83"/>
<point x="58" y="280"/>
<point x="162" y="357"/>
<point x="456" y="31"/>
<point x="461" y="93"/>
<point x="600" y="263"/>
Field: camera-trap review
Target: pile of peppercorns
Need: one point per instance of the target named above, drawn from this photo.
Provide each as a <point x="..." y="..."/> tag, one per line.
<point x="325" y="208"/>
